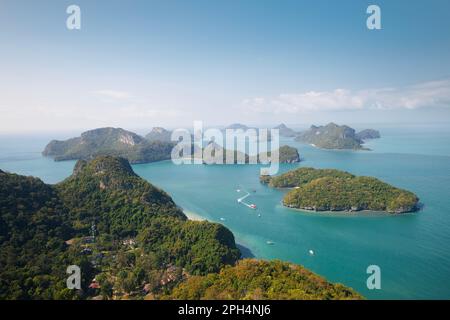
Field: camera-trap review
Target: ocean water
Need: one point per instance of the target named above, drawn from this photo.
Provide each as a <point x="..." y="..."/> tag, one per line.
<point x="412" y="250"/>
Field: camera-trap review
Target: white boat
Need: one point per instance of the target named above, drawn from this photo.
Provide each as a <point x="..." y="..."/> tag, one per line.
<point x="270" y="242"/>
<point x="222" y="219"/>
<point x="311" y="252"/>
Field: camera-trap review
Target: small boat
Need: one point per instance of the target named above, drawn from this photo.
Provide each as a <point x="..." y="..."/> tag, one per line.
<point x="271" y="243"/>
<point x="238" y="190"/>
<point x="222" y="219"/>
<point x="311" y="252"/>
<point x="259" y="215"/>
<point x="253" y="206"/>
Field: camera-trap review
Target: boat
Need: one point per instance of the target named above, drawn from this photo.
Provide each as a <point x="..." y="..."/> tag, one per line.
<point x="259" y="215"/>
<point x="222" y="219"/>
<point x="311" y="252"/>
<point x="253" y="206"/>
<point x="271" y="243"/>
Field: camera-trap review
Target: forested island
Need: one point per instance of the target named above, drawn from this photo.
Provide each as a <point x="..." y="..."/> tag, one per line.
<point x="110" y="141"/>
<point x="286" y="154"/>
<point x="334" y="190"/>
<point x="131" y="241"/>
<point x="333" y="136"/>
<point x="156" y="146"/>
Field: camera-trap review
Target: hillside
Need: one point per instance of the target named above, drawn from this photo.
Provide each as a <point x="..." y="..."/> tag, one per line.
<point x="106" y="199"/>
<point x="33" y="227"/>
<point x="109" y="141"/>
<point x="332" y="136"/>
<point x="368" y="134"/>
<point x="287" y="154"/>
<point x="159" y="134"/>
<point x="261" y="280"/>
<point x="285" y="131"/>
<point x="334" y="190"/>
<point x="130" y="240"/>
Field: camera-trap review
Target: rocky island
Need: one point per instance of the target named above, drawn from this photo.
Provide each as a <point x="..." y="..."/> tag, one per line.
<point x="286" y="154"/>
<point x="368" y="134"/>
<point x="333" y="136"/>
<point x="334" y="190"/>
<point x="159" y="134"/>
<point x="109" y="141"/>
<point x="285" y="131"/>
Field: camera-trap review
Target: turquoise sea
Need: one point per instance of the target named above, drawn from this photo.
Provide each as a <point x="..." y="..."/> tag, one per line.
<point x="412" y="250"/>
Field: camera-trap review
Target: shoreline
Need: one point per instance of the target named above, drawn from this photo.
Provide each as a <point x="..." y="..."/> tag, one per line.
<point x="193" y="216"/>
<point x="346" y="213"/>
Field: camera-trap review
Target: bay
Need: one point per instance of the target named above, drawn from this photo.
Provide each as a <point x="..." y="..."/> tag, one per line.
<point x="412" y="250"/>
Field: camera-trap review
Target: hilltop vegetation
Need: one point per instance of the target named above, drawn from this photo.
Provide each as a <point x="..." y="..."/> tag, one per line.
<point x="333" y="136"/>
<point x="132" y="238"/>
<point x="301" y="176"/>
<point x="334" y="190"/>
<point x="261" y="280"/>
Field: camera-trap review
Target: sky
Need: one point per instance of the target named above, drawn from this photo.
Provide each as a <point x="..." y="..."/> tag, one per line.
<point x="140" y="64"/>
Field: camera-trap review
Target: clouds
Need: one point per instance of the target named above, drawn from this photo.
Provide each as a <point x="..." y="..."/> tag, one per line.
<point x="424" y="95"/>
<point x="84" y="109"/>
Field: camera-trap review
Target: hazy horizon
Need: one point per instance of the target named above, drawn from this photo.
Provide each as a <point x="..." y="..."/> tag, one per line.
<point x="168" y="63"/>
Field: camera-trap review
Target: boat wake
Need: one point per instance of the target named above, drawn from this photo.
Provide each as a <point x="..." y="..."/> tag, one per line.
<point x="241" y="201"/>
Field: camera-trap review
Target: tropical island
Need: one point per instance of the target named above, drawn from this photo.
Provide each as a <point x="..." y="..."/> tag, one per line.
<point x="109" y="141"/>
<point x="286" y="154"/>
<point x="334" y="190"/>
<point x="333" y="136"/>
<point x="156" y="146"/>
<point x="131" y="241"/>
